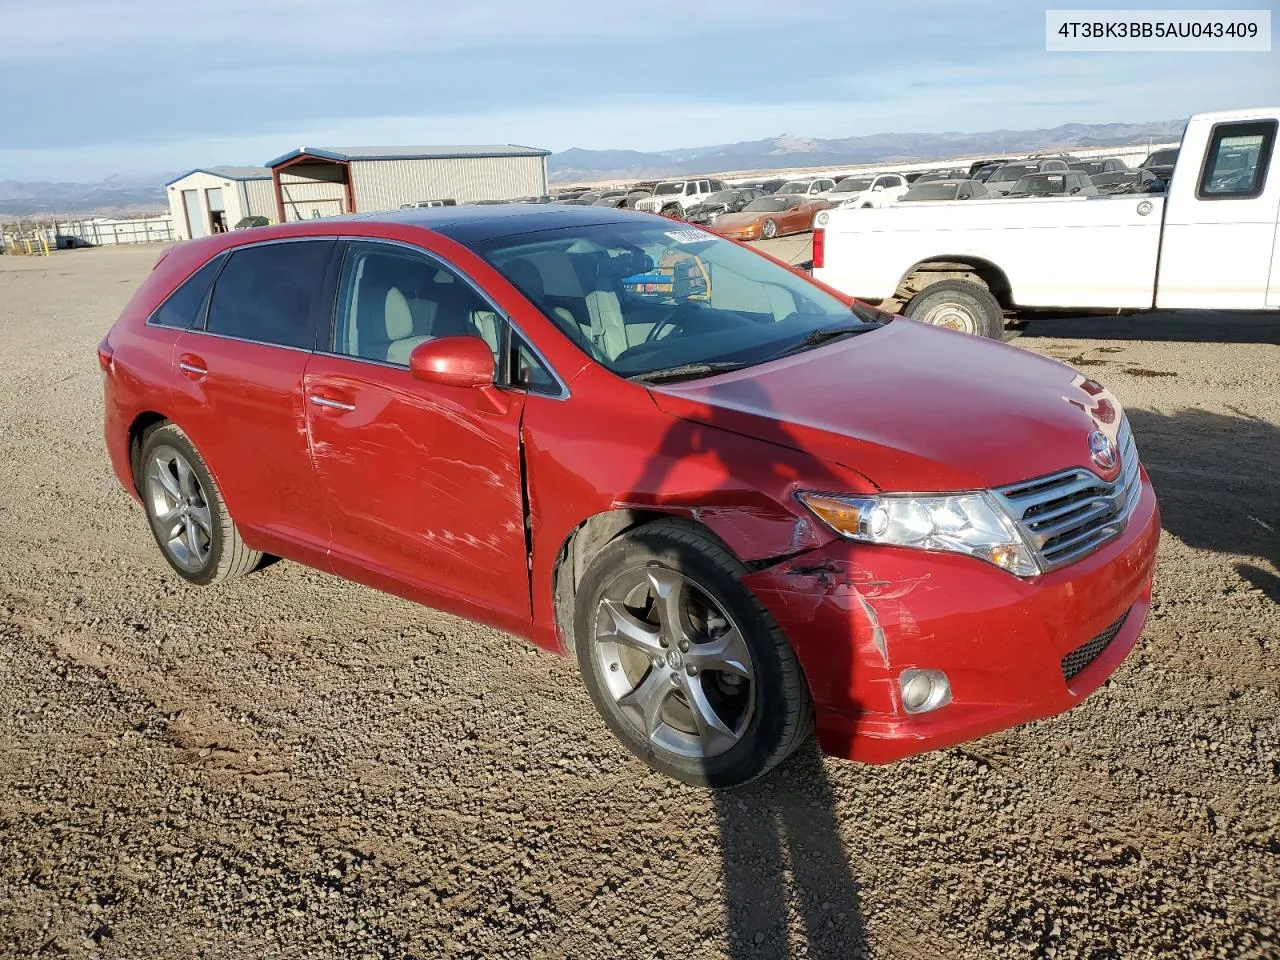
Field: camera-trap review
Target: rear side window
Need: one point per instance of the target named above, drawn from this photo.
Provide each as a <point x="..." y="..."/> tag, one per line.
<point x="272" y="293"/>
<point x="185" y="306"/>
<point x="1235" y="166"/>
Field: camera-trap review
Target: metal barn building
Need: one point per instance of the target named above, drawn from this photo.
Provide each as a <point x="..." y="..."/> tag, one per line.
<point x="205" y="201"/>
<point x="328" y="181"/>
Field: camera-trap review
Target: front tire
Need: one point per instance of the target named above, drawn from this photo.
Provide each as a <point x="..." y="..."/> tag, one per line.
<point x="958" y="305"/>
<point x="186" y="512"/>
<point x="674" y="212"/>
<point x="684" y="665"/>
<point x="769" y="230"/>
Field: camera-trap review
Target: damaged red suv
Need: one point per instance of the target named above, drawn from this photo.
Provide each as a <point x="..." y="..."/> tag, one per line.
<point x="747" y="506"/>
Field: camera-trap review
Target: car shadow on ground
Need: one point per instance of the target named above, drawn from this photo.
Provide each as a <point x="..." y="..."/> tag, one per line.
<point x="787" y="879"/>
<point x="1215" y="476"/>
<point x="1192" y="326"/>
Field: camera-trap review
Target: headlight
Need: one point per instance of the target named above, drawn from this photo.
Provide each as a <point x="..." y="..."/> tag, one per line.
<point x="971" y="523"/>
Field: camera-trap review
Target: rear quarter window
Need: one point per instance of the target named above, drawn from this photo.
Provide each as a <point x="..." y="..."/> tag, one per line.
<point x="184" y="308"/>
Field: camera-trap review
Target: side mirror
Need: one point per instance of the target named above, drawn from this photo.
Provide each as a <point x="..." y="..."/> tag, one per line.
<point x="453" y="362"/>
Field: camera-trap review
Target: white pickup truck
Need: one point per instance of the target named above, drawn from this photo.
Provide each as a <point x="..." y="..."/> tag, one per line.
<point x="1210" y="242"/>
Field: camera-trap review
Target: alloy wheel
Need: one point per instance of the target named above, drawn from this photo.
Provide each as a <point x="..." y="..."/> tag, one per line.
<point x="179" y="509"/>
<point x="677" y="667"/>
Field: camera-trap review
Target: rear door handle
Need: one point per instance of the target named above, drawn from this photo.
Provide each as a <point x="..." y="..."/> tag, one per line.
<point x="192" y="366"/>
<point x="330" y="403"/>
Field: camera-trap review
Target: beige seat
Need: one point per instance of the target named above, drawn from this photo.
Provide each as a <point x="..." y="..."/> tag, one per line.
<point x="398" y="319"/>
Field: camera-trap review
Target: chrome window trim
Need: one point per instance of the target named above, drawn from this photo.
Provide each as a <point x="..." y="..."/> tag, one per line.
<point x="562" y="394"/>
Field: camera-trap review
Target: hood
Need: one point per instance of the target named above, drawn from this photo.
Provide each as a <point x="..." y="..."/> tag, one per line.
<point x="913" y="408"/>
<point x="739" y="221"/>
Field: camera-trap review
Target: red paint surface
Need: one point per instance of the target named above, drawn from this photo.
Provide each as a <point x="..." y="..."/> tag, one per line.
<point x="419" y="490"/>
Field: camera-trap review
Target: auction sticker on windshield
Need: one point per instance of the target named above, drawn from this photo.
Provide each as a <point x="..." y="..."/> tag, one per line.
<point x="688" y="236"/>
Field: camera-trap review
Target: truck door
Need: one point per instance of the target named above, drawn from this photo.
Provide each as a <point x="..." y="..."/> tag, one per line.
<point x="1218" y="250"/>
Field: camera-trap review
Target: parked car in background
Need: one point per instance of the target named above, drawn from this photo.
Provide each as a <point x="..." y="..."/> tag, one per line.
<point x="924" y="190"/>
<point x="426" y="204"/>
<point x="244" y="223"/>
<point x="1206" y="244"/>
<point x="977" y="165"/>
<point x="731" y="200"/>
<point x="745" y="511"/>
<point x="1161" y="163"/>
<point x="869" y="190"/>
<point x="1006" y="175"/>
<point x="983" y="172"/>
<point x="949" y="173"/>
<point x="1068" y="184"/>
<point x="673" y="198"/>
<point x="810" y="189"/>
<point x="769" y="217"/>
<point x="623" y="200"/>
<point x="1098" y="165"/>
<point x="772" y="185"/>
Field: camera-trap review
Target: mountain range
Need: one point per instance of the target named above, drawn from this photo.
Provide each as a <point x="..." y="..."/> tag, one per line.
<point x="790" y="151"/>
<point x="134" y="194"/>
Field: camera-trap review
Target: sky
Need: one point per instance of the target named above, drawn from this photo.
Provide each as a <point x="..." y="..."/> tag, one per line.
<point x="92" y="88"/>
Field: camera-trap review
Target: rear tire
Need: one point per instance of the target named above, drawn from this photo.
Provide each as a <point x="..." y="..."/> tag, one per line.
<point x="683" y="663"/>
<point x="958" y="305"/>
<point x="186" y="512"/>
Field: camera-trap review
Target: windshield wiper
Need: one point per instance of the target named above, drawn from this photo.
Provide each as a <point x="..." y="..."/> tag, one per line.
<point x="687" y="371"/>
<point x="815" y="338"/>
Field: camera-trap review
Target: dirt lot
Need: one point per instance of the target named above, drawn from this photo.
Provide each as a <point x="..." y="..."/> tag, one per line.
<point x="296" y="766"/>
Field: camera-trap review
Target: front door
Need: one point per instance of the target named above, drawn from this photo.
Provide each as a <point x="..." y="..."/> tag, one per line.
<point x="1220" y="224"/>
<point x="421" y="482"/>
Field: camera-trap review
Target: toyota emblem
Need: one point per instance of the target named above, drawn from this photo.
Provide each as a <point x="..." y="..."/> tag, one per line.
<point x="1102" y="450"/>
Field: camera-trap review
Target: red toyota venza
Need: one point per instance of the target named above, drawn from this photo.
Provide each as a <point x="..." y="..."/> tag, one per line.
<point x="747" y="505"/>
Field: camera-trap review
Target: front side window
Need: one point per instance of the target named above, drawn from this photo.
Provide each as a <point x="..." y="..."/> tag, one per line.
<point x="390" y="299"/>
<point x="184" y="306"/>
<point x="271" y="293"/>
<point x="1235" y="165"/>
<point x="641" y="298"/>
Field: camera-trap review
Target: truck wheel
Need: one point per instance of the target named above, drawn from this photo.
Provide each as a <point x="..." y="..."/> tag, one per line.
<point x="769" y="230"/>
<point x="958" y="305"/>
<point x="674" y="212"/>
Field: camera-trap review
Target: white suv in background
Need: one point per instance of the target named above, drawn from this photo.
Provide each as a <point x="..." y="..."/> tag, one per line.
<point x="816" y="189"/>
<point x="864" y="190"/>
<point x="673" y="198"/>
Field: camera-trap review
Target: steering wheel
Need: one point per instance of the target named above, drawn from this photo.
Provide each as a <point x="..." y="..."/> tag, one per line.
<point x="674" y="319"/>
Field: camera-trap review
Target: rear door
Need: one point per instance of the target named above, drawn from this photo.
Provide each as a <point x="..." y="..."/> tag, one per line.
<point x="1218" y="250"/>
<point x="421" y="482"/>
<point x="239" y="391"/>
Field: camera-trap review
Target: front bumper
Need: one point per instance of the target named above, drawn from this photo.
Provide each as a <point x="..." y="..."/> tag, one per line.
<point x="858" y="615"/>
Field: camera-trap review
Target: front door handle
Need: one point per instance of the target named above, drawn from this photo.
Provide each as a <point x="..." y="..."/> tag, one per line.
<point x="320" y="401"/>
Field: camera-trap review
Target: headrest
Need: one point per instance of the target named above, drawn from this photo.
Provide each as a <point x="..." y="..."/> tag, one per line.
<point x="398" y="316"/>
<point x="526" y="276"/>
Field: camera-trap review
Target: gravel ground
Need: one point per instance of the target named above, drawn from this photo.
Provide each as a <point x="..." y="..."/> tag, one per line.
<point x="297" y="766"/>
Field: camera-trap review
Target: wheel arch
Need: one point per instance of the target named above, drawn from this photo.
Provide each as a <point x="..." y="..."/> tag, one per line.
<point x="142" y="424"/>
<point x="591" y="536"/>
<point x="929" y="271"/>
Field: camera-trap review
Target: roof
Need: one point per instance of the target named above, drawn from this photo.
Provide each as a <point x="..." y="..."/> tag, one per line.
<point x="475" y="223"/>
<point x="411" y="153"/>
<point x="227" y="173"/>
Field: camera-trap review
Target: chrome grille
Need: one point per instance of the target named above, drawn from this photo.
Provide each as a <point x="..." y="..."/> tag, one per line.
<point x="1066" y="516"/>
<point x="1074" y="663"/>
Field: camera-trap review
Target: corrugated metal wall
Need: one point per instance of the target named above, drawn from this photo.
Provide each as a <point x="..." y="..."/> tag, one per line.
<point x="385" y="184"/>
<point x="313" y="189"/>
<point x="260" y="199"/>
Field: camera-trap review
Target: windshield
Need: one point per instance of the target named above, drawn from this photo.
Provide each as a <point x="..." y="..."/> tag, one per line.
<point x="853" y="185"/>
<point x="794" y="186"/>
<point x="765" y="205"/>
<point x="1041" y="183"/>
<point x="934" y="190"/>
<point x="1162" y="158"/>
<point x="722" y="196"/>
<point x="1011" y="171"/>
<point x="664" y="189"/>
<point x="640" y="297"/>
